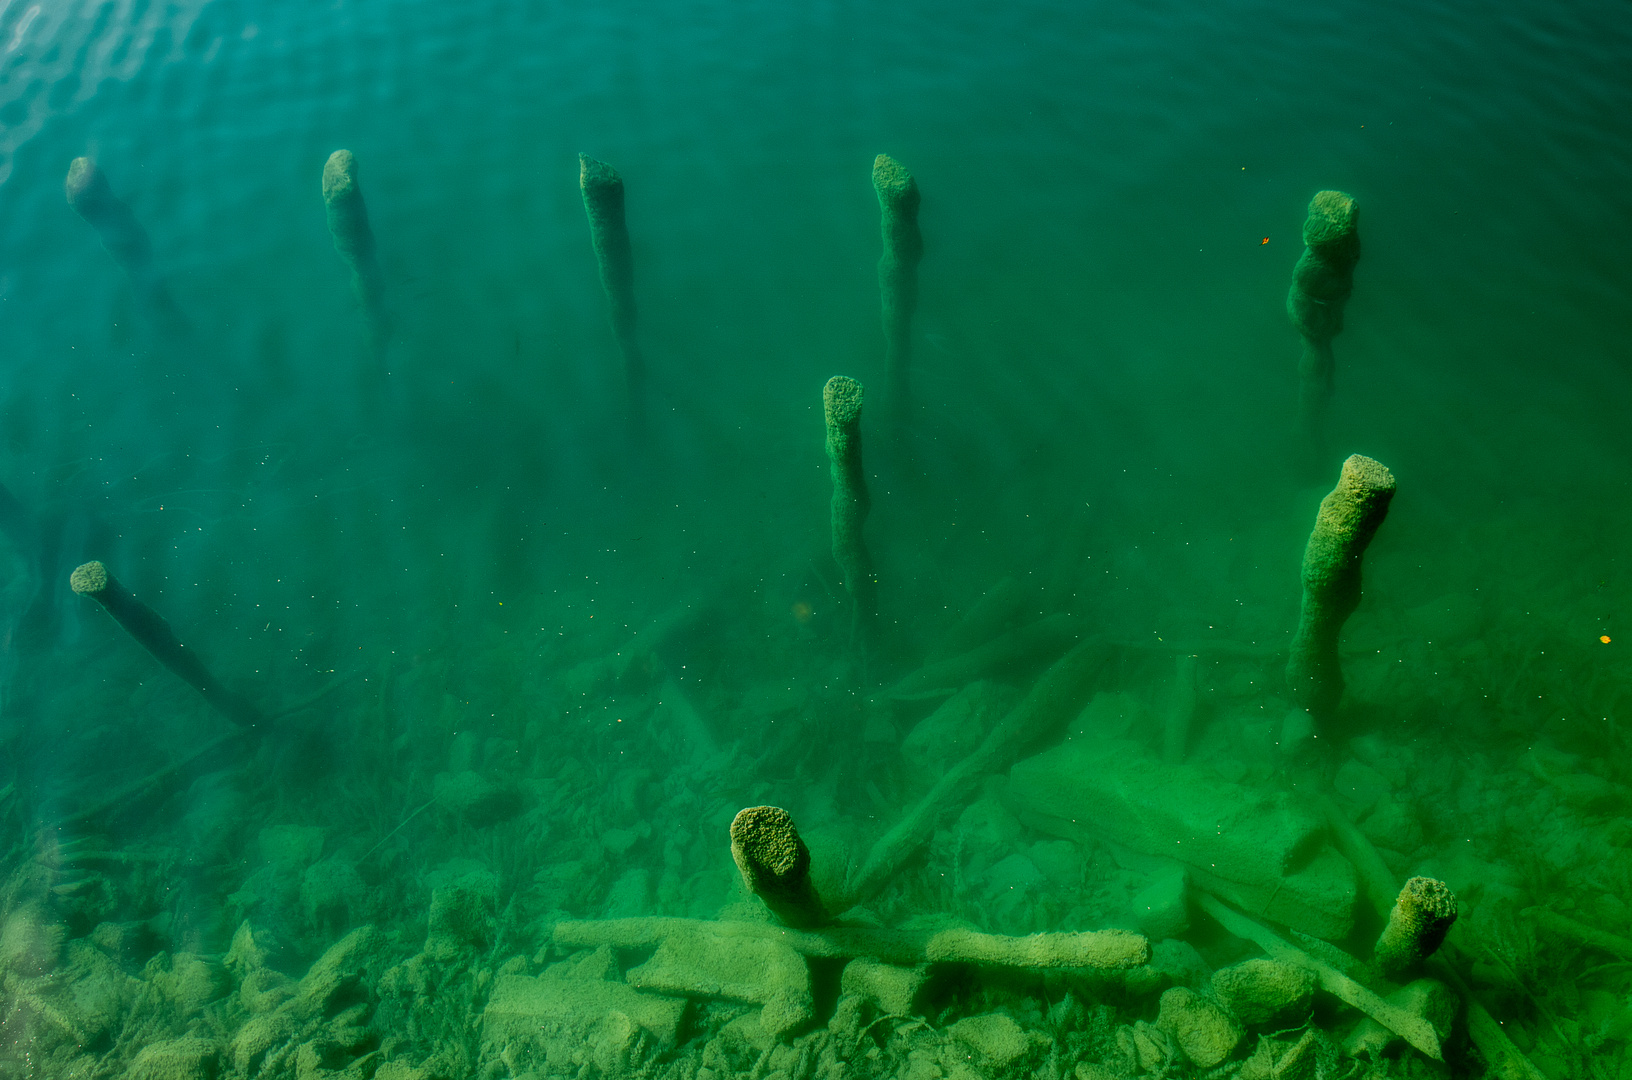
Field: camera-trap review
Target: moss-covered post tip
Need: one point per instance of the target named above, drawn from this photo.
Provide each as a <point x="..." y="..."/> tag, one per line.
<point x="85" y="181"/>
<point x="339" y="175"/>
<point x="1417" y="925"/>
<point x="775" y="864"/>
<point x="841" y="401"/>
<point x="89" y="579"/>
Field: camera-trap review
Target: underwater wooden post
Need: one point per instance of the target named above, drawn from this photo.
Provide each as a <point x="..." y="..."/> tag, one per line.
<point x="1506" y="1060"/>
<point x="898" y="201"/>
<point x="1417" y="925"/>
<point x="841" y="407"/>
<point x="121" y="234"/>
<point x="1181" y="710"/>
<point x="353" y="239"/>
<point x="155" y="635"/>
<point x="775" y="865"/>
<point x="1348" y="519"/>
<point x="1414" y="1029"/>
<point x="603" y="202"/>
<point x="1321" y="283"/>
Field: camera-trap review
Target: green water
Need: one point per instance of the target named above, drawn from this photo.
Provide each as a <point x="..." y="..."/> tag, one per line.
<point x="517" y="662"/>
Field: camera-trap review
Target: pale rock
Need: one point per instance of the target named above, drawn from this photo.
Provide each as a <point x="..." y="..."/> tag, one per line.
<point x="463" y="914"/>
<point x="176" y="1059"/>
<point x="332" y="895"/>
<point x="291" y="847"/>
<point x="630" y="895"/>
<point x="1199" y="1027"/>
<point x="1160" y="910"/>
<point x="480" y="802"/>
<point x="257" y="1037"/>
<point x="893" y="989"/>
<point x="1394" y="825"/>
<point x="1358" y="786"/>
<point x="1060" y="861"/>
<point x="31" y="942"/>
<point x="189" y="982"/>
<point x="1265" y="993"/>
<point x="995" y="1041"/>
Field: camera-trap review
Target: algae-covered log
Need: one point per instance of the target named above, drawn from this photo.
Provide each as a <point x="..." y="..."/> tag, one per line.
<point x="897" y="274"/>
<point x="1042" y="640"/>
<point x="1413" y="1029"/>
<point x="602" y="189"/>
<point x="1506" y="1060"/>
<point x="995" y="612"/>
<point x="1321" y="284"/>
<point x="1101" y="950"/>
<point x="775" y="864"/>
<point x="1417" y="925"/>
<point x="1347" y="521"/>
<point x="1051" y="702"/>
<point x="353" y="239"/>
<point x="1181" y="710"/>
<point x="155" y="635"/>
<point x="841" y="406"/>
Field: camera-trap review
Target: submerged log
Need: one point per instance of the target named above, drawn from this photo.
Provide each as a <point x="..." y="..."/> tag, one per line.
<point x="1413" y="1029"/>
<point x="1047" y="707"/>
<point x="1105" y="950"/>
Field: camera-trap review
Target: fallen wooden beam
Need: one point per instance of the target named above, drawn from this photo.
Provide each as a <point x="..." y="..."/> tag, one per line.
<point x="1380" y="886"/>
<point x="1580" y="932"/>
<point x="1415" y="1030"/>
<point x="1105" y="950"/>
<point x="1052" y="702"/>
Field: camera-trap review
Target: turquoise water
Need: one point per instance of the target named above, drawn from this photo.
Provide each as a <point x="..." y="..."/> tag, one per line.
<point x="459" y="543"/>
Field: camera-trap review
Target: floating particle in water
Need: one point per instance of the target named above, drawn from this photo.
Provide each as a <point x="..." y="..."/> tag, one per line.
<point x="1604" y="638"/>
<point x="802" y="612"/>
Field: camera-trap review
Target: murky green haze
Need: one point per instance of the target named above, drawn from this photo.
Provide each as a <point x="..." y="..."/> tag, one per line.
<point x="517" y="656"/>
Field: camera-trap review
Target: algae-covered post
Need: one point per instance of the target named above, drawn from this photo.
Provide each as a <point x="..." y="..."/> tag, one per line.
<point x="1321" y="283"/>
<point x="897" y="275"/>
<point x="155" y="635"/>
<point x="1347" y="521"/>
<point x="121" y="234"/>
<point x="775" y="865"/>
<point x="603" y="203"/>
<point x="1417" y="926"/>
<point x="1181" y="710"/>
<point x="841" y="406"/>
<point x="353" y="239"/>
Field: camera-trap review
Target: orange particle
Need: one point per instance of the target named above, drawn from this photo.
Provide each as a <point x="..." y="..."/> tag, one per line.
<point x="1266" y="240"/>
<point x="1604" y="638"/>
